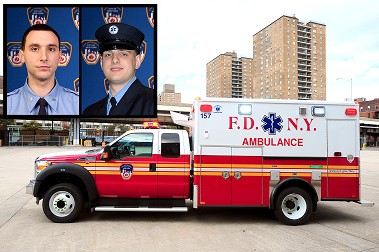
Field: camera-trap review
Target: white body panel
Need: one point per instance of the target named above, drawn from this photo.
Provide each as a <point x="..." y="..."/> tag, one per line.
<point x="277" y="127"/>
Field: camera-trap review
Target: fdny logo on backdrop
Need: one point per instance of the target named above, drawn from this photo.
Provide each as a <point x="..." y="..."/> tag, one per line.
<point x="75" y="16"/>
<point x="126" y="171"/>
<point x="106" y="85"/>
<point x="90" y="51"/>
<point x="112" y="14"/>
<point x="38" y="15"/>
<point x="272" y="123"/>
<point x="66" y="51"/>
<point x="142" y="50"/>
<point x="150" y="15"/>
<point x="76" y="85"/>
<point x="13" y="55"/>
<point x="151" y="82"/>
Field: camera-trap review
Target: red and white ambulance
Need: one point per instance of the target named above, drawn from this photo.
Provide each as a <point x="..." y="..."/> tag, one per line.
<point x="283" y="155"/>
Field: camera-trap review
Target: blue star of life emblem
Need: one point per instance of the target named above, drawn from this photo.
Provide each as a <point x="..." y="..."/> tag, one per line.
<point x="272" y="123"/>
<point x="113" y="29"/>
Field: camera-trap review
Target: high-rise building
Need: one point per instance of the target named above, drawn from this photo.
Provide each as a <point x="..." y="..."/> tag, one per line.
<point x="168" y="95"/>
<point x="229" y="76"/>
<point x="290" y="60"/>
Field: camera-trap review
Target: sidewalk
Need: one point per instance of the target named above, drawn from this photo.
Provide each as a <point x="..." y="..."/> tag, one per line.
<point x="370" y="149"/>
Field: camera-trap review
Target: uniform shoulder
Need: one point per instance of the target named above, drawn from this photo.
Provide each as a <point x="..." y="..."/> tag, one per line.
<point x="14" y="92"/>
<point x="97" y="108"/>
<point x="67" y="90"/>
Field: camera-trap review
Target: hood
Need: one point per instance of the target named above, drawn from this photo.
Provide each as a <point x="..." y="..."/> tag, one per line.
<point x="69" y="155"/>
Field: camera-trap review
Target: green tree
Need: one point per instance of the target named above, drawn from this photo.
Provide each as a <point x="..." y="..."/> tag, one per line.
<point x="111" y="129"/>
<point x="32" y="125"/>
<point x="5" y="122"/>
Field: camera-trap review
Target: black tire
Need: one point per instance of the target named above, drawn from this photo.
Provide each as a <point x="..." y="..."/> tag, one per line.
<point x="293" y="206"/>
<point x="63" y="203"/>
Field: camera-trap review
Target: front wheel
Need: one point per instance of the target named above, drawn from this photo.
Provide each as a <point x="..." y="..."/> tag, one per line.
<point x="63" y="203"/>
<point x="293" y="206"/>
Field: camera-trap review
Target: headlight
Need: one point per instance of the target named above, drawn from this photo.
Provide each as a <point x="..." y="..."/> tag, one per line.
<point x="39" y="165"/>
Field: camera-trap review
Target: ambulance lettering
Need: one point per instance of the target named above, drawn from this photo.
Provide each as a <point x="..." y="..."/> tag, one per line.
<point x="258" y="141"/>
<point x="272" y="124"/>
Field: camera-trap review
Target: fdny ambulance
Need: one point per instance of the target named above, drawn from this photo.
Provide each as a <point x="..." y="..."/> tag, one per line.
<point x="283" y="155"/>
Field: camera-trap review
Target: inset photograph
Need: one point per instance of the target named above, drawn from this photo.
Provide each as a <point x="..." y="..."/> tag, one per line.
<point x="42" y="70"/>
<point x="118" y="67"/>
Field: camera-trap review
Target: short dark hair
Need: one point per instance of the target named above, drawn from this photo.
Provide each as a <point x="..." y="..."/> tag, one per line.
<point x="38" y="27"/>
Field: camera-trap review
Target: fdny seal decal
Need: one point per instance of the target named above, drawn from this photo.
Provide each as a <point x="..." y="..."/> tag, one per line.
<point x="90" y="51"/>
<point x="13" y="55"/>
<point x="66" y="51"/>
<point x="76" y="85"/>
<point x="112" y="14"/>
<point x="126" y="171"/>
<point x="150" y="15"/>
<point x="217" y="109"/>
<point x="151" y="82"/>
<point x="75" y="16"/>
<point x="106" y="85"/>
<point x="37" y="15"/>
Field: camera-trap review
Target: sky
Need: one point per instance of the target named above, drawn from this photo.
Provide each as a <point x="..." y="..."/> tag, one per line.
<point x="192" y="33"/>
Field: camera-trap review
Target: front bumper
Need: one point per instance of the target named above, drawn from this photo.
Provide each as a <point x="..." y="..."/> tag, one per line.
<point x="30" y="187"/>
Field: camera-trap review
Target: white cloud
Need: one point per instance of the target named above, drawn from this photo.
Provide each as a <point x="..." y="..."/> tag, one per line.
<point x="372" y="74"/>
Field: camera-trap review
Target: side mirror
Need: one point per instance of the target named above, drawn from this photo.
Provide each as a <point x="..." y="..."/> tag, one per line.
<point x="106" y="153"/>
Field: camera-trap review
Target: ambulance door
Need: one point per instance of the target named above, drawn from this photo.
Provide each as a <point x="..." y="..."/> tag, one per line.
<point x="343" y="163"/>
<point x="130" y="172"/>
<point x="173" y="179"/>
<point x="215" y="176"/>
<point x="247" y="176"/>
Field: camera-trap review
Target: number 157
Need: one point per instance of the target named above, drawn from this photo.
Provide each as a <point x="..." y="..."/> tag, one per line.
<point x="205" y="115"/>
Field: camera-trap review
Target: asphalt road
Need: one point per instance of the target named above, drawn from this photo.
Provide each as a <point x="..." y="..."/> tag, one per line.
<point x="338" y="226"/>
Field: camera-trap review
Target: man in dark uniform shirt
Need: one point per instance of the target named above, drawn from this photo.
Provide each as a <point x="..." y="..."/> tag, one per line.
<point x="120" y="58"/>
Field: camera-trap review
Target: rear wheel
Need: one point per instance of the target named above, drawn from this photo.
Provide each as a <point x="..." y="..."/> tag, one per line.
<point x="63" y="203"/>
<point x="293" y="206"/>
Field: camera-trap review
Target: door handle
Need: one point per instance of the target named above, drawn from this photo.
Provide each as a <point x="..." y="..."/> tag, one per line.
<point x="225" y="175"/>
<point x="237" y="175"/>
<point x="153" y="167"/>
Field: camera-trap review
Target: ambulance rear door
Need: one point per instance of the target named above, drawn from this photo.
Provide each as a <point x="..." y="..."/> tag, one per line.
<point x="343" y="159"/>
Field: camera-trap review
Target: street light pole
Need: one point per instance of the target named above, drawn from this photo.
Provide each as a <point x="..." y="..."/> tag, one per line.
<point x="351" y="89"/>
<point x="351" y="86"/>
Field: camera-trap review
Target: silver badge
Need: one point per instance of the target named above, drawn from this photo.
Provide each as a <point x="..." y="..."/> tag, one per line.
<point x="113" y="29"/>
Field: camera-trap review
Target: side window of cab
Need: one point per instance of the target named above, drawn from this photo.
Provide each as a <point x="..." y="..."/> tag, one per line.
<point x="133" y="145"/>
<point x="170" y="145"/>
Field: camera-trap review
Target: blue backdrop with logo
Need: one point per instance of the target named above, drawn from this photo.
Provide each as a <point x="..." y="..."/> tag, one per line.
<point x="93" y="83"/>
<point x="78" y="43"/>
<point x="19" y="19"/>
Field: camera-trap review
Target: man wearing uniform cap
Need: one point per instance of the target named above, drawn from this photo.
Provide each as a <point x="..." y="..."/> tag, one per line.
<point x="120" y="58"/>
<point x="41" y="94"/>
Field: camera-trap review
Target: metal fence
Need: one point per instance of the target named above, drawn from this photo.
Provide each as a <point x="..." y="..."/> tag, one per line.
<point x="38" y="140"/>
